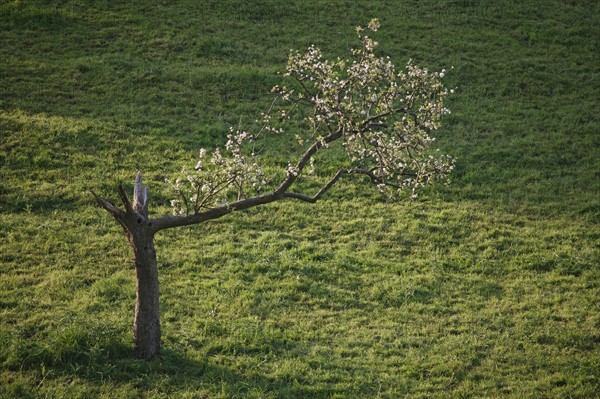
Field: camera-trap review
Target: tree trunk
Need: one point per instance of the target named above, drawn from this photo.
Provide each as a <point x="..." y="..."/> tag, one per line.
<point x="140" y="233"/>
<point x="146" y="324"/>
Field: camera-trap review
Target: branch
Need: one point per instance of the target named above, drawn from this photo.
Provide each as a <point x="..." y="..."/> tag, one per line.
<point x="306" y="90"/>
<point x="289" y="180"/>
<point x="107" y="205"/>
<point x="377" y="125"/>
<point x="167" y="222"/>
<point x="320" y="193"/>
<point x="368" y="121"/>
<point x="124" y="199"/>
<point x="376" y="179"/>
<point x="218" y="187"/>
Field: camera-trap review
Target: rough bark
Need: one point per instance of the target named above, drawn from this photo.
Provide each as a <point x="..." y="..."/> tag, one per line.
<point x="140" y="234"/>
<point x="146" y="324"/>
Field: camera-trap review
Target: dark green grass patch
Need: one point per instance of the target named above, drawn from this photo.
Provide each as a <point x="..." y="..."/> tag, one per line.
<point x="486" y="288"/>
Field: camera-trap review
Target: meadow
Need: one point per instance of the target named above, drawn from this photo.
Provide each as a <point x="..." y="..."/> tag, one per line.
<point x="487" y="288"/>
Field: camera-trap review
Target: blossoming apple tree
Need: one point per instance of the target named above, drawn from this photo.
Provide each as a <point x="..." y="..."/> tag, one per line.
<point x="380" y="116"/>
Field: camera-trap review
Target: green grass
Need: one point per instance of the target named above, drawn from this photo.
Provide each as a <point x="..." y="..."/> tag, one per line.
<point x="485" y="289"/>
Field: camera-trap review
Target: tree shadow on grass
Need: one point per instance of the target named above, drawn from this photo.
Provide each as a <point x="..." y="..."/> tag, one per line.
<point x="175" y="372"/>
<point x="101" y="355"/>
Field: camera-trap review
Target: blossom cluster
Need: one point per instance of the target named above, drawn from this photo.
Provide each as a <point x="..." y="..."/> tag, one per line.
<point x="382" y="116"/>
<point x="218" y="178"/>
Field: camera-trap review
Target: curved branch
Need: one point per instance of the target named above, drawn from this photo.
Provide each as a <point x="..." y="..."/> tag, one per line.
<point x="289" y="180"/>
<point x="376" y="179"/>
<point x="320" y="193"/>
<point x="368" y="121"/>
<point x="167" y="222"/>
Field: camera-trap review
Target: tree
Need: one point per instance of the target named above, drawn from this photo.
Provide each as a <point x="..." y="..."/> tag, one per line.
<point x="379" y="117"/>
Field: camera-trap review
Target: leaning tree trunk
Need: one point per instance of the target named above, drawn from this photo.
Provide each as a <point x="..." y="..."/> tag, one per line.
<point x="146" y="324"/>
<point x="140" y="233"/>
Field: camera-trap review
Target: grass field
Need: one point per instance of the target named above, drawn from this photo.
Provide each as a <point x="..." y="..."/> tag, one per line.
<point x="488" y="288"/>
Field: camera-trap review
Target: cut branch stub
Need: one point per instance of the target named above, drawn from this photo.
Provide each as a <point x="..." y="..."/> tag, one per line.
<point x="132" y="213"/>
<point x="140" y="196"/>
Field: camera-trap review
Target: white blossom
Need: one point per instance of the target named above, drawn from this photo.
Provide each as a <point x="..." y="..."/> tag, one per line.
<point x="382" y="116"/>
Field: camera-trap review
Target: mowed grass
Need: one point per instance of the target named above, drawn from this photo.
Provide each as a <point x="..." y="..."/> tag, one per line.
<point x="488" y="288"/>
